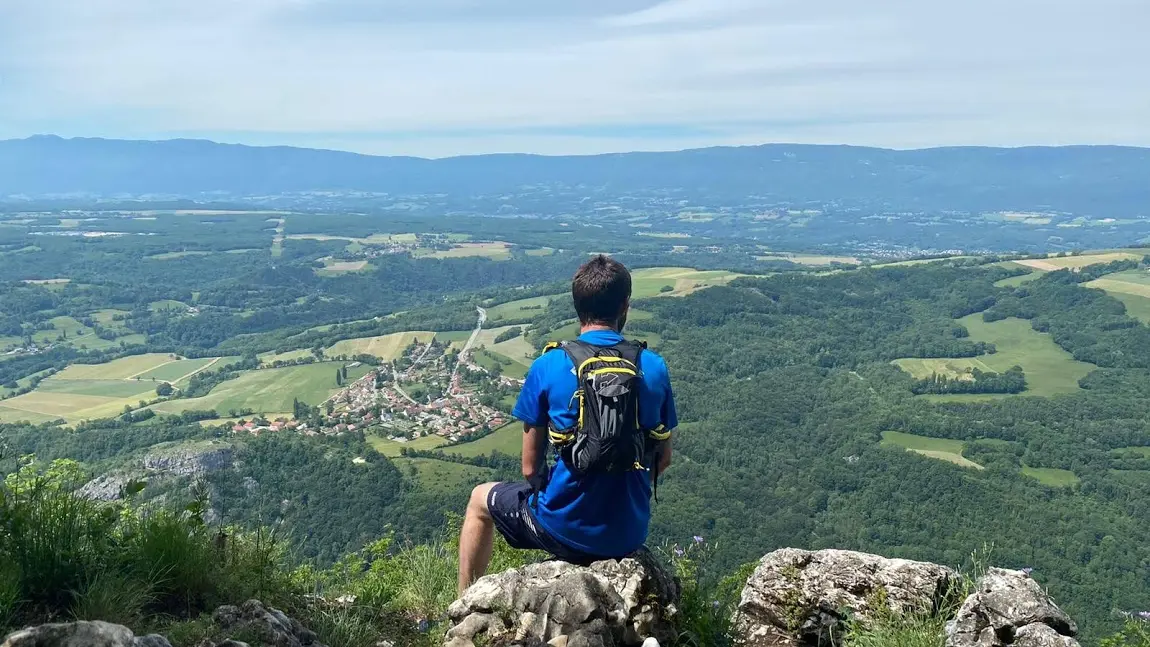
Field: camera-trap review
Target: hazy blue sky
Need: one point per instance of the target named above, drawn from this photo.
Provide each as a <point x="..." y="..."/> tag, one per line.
<point x="439" y="77"/>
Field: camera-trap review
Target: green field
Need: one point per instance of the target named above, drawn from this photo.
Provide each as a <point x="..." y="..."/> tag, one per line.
<point x="652" y="281"/>
<point x="1016" y="281"/>
<point x="332" y="267"/>
<point x="8" y="414"/>
<point x="1077" y="262"/>
<point x="175" y="371"/>
<point x="1052" y="477"/>
<point x="268" y="358"/>
<point x="170" y="255"/>
<point x="442" y="476"/>
<point x="268" y="390"/>
<point x="1049" y="369"/>
<point x="385" y="347"/>
<point x="508" y="439"/>
<point x="106" y="317"/>
<point x="393" y="448"/>
<point x="521" y="309"/>
<point x="168" y="304"/>
<point x="118" y="369"/>
<point x="500" y="363"/>
<point x="942" y="449"/>
<point x="496" y="251"/>
<point x="518" y="349"/>
<point x="130" y="389"/>
<point x="810" y="259"/>
<point x="1132" y="288"/>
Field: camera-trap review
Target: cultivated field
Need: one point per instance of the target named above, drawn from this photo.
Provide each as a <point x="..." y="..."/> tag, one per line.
<point x="521" y="309"/>
<point x="441" y="476"/>
<point x="170" y="255"/>
<point x="1131" y="288"/>
<point x="332" y="266"/>
<point x="940" y="448"/>
<point x="508" y="439"/>
<point x="810" y="259"/>
<point x="393" y="448"/>
<point x="1049" y="369"/>
<point x="498" y="251"/>
<point x="1016" y="281"/>
<point x="1052" y="477"/>
<point x="88" y="391"/>
<point x="652" y="281"/>
<point x="268" y="390"/>
<point x="385" y="347"/>
<point x="1077" y="262"/>
<point x="118" y="369"/>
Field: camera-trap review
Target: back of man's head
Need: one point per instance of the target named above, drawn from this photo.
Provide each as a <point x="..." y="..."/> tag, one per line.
<point x="601" y="290"/>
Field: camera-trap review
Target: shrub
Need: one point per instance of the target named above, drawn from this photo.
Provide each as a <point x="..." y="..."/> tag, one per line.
<point x="1136" y="633"/>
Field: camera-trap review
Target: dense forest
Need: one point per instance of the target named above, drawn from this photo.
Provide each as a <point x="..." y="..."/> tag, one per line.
<point x="785" y="387"/>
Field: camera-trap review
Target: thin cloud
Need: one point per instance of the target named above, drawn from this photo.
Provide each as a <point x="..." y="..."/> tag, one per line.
<point x="439" y="77"/>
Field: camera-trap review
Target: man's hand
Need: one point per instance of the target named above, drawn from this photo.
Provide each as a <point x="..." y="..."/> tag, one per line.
<point x="534" y="460"/>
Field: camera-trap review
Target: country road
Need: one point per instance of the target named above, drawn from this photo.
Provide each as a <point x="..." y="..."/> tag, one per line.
<point x="470" y="342"/>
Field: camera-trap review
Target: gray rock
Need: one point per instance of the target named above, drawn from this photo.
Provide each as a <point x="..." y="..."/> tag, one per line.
<point x="1009" y="608"/>
<point x="608" y="604"/>
<point x="272" y="627"/>
<point x="106" y="487"/>
<point x="189" y="461"/>
<point x="798" y="597"/>
<point x="81" y="634"/>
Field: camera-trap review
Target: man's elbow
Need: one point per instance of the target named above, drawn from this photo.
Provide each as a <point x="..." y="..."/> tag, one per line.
<point x="665" y="458"/>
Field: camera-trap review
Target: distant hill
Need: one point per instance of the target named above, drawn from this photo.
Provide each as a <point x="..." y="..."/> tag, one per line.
<point x="1090" y="180"/>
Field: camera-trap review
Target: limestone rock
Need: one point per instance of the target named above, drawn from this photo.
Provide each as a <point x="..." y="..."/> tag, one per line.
<point x="189" y="461"/>
<point x="106" y="487"/>
<point x="1009" y="608"/>
<point x="271" y="627"/>
<point x="798" y="597"/>
<point x="81" y="634"/>
<point x="611" y="603"/>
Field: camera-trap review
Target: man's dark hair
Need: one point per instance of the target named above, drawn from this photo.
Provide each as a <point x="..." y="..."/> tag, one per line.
<point x="600" y="289"/>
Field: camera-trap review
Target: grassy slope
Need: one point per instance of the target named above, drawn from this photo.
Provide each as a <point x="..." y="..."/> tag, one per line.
<point x="386" y="347"/>
<point x="1052" y="477"/>
<point x="940" y="448"/>
<point x="1050" y="370"/>
<point x="268" y="390"/>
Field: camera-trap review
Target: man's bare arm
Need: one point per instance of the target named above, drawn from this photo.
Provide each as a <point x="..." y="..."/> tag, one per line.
<point x="534" y="450"/>
<point x="664" y="455"/>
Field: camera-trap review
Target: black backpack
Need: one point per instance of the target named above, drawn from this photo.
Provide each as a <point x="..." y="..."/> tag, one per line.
<point x="607" y="436"/>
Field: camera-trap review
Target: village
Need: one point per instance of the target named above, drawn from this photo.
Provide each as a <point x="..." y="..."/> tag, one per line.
<point x="430" y="389"/>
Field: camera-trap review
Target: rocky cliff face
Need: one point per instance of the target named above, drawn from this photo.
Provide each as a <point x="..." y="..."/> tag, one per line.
<point x="192" y="461"/>
<point x="795" y="598"/>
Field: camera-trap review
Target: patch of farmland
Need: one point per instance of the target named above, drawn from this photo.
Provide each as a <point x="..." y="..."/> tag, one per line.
<point x="170" y="255"/>
<point x="1055" y="263"/>
<point x="508" y="439"/>
<point x="332" y="266"/>
<point x="178" y="370"/>
<point x="520" y="309"/>
<point x="938" y="448"/>
<point x="1132" y="288"/>
<point x="497" y="251"/>
<point x="268" y="390"/>
<point x="386" y="347"/>
<point x="10" y="415"/>
<point x="393" y="448"/>
<point x="675" y="281"/>
<point x="1049" y="369"/>
<point x="117" y="369"/>
<point x="810" y="259"/>
<point x="1051" y="476"/>
<point x="102" y="388"/>
<point x="442" y="476"/>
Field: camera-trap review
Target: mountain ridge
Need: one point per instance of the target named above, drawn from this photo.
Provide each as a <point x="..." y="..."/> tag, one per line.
<point x="1088" y="180"/>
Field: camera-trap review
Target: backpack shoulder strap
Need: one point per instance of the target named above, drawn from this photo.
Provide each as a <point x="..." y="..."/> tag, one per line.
<point x="579" y="351"/>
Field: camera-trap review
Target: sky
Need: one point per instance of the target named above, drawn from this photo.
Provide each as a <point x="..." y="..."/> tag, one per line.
<point x="447" y="77"/>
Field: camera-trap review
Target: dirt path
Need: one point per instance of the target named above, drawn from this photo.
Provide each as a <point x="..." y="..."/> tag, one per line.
<point x="470" y="342"/>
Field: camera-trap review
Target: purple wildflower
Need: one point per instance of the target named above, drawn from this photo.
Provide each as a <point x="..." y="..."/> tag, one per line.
<point x="1027" y="570"/>
<point x="423" y="625"/>
<point x="1143" y="615"/>
<point x="698" y="539"/>
<point x="679" y="552"/>
<point x="715" y="603"/>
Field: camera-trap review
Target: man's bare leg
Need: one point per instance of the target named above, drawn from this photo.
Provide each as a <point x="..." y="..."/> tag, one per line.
<point x="475" y="538"/>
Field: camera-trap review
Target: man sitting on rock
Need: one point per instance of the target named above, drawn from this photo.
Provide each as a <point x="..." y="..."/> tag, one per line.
<point x="606" y="405"/>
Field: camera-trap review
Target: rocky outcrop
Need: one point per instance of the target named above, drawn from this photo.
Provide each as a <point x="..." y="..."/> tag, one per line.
<point x="611" y="603"/>
<point x="189" y="461"/>
<point x="797" y="597"/>
<point x="1010" y="608"/>
<point x="106" y="487"/>
<point x="262" y="627"/>
<point x="82" y="634"/>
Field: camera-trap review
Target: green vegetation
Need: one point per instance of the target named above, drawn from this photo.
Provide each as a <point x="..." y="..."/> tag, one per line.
<point x="520" y="309"/>
<point x="267" y="390"/>
<point x="385" y="347"/>
<point x="507" y="440"/>
<point x="1049" y="369"/>
<point x="1052" y="477"/>
<point x="940" y="448"/>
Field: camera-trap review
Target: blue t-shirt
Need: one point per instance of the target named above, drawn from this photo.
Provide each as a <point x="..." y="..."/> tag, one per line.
<point x="602" y="514"/>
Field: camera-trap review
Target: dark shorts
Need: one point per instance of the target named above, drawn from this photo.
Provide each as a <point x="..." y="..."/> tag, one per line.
<point x="509" y="506"/>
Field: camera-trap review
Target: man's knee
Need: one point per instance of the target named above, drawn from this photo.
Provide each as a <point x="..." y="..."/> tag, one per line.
<point x="477" y="506"/>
